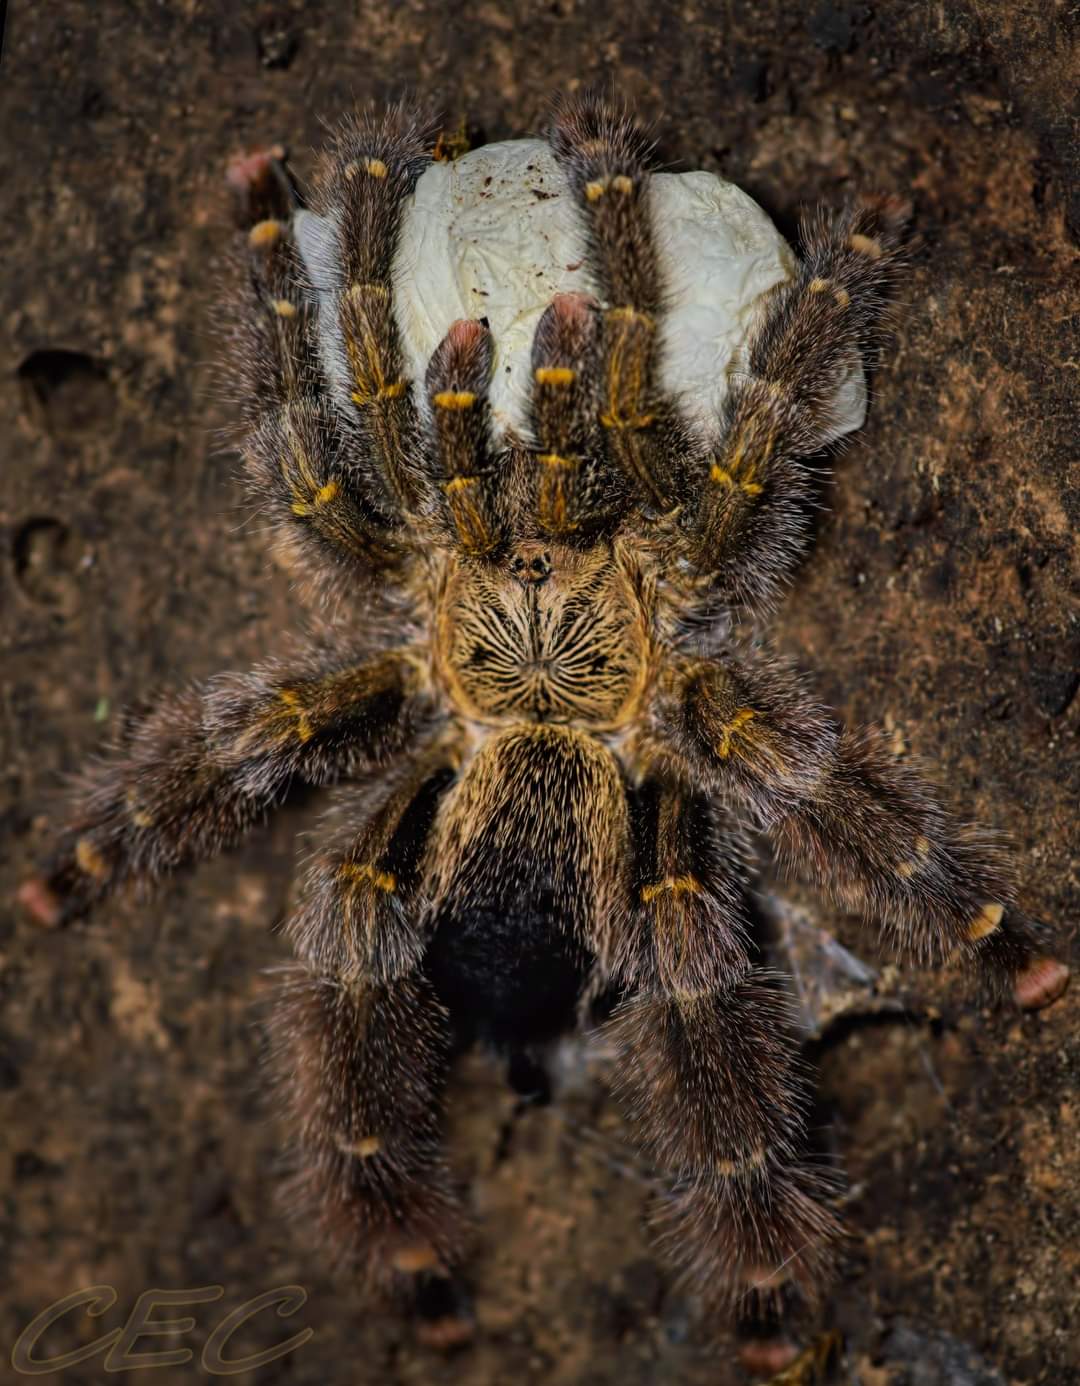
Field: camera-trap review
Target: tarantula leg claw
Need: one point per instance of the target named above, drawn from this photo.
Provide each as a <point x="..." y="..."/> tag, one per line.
<point x="445" y="1320"/>
<point x="787" y="1366"/>
<point x="893" y="214"/>
<point x="41" y="903"/>
<point x="261" y="186"/>
<point x="767" y="1356"/>
<point x="1042" y="982"/>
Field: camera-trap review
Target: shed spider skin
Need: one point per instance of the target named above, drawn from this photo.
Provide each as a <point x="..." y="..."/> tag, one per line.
<point x="556" y="761"/>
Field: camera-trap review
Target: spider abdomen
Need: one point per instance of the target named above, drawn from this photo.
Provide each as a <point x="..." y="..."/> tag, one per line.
<point x="528" y="861"/>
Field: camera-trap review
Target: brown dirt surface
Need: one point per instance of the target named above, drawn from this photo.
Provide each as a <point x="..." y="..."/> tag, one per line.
<point x="941" y="598"/>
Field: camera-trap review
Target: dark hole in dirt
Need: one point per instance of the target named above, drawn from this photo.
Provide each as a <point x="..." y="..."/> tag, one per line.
<point x="1054" y="682"/>
<point x="42" y="555"/>
<point x="68" y="391"/>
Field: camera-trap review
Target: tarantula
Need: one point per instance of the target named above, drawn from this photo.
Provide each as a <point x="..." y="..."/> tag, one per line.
<point x="540" y="521"/>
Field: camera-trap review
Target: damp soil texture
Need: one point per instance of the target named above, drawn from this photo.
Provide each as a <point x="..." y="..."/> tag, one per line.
<point x="940" y="600"/>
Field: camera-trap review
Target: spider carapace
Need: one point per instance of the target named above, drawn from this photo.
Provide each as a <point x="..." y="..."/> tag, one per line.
<point x="559" y="636"/>
<point x="547" y="485"/>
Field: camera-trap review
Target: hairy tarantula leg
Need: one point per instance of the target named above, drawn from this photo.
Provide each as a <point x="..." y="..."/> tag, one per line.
<point x="575" y="491"/>
<point x="708" y="1069"/>
<point x="711" y="1084"/>
<point x="361" y="1066"/>
<point x="294" y="449"/>
<point x="607" y="156"/>
<point x="747" y="525"/>
<point x="869" y="830"/>
<point x="457" y="385"/>
<point x="194" y="773"/>
<point x="686" y="932"/>
<point x="363" y="186"/>
<point x="359" y="916"/>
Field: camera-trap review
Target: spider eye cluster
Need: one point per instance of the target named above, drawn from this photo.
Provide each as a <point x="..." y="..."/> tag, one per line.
<point x="531" y="564"/>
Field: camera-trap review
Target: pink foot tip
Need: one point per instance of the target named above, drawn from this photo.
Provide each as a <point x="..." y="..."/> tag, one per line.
<point x="446" y="1334"/>
<point x="39" y="902"/>
<point x="245" y="170"/>
<point x="766" y="1357"/>
<point x="1040" y="984"/>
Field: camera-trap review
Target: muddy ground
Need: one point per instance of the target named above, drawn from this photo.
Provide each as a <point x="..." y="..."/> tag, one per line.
<point x="942" y="599"/>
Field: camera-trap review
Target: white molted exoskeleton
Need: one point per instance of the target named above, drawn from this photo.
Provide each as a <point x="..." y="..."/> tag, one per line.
<point x="495" y="235"/>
